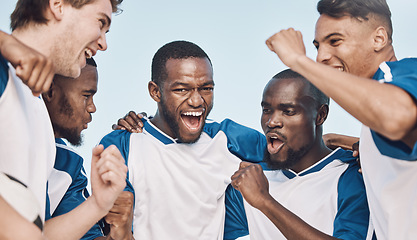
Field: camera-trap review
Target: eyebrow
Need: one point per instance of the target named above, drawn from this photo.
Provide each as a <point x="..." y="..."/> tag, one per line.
<point x="210" y="82"/>
<point x="90" y="91"/>
<point x="327" y="37"/>
<point x="280" y="106"/>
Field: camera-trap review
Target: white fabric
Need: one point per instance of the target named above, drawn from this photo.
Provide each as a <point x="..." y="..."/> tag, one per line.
<point x="27" y="146"/>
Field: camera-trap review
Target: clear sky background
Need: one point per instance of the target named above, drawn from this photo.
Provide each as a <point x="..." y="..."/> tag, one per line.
<point x="233" y="33"/>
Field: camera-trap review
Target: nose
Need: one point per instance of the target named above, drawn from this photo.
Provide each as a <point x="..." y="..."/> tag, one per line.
<point x="275" y="121"/>
<point x="91" y="107"/>
<point x="195" y="100"/>
<point x="323" y="55"/>
<point x="102" y="43"/>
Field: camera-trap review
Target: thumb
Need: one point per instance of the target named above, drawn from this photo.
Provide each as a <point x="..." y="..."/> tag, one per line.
<point x="97" y="150"/>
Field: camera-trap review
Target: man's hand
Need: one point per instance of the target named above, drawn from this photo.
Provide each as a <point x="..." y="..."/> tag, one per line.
<point x="131" y="122"/>
<point x="288" y="45"/>
<point x="252" y="183"/>
<point x="108" y="176"/>
<point x="35" y="70"/>
<point x="120" y="217"/>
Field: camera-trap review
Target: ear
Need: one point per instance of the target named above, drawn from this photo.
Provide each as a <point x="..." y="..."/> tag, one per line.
<point x="56" y="7"/>
<point x="154" y="91"/>
<point x="322" y="114"/>
<point x="50" y="94"/>
<point x="380" y="38"/>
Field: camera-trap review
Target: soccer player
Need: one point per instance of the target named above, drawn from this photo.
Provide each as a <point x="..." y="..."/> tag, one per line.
<point x="70" y="106"/>
<point x="306" y="190"/>
<point x="357" y="67"/>
<point x="65" y="32"/>
<point x="180" y="166"/>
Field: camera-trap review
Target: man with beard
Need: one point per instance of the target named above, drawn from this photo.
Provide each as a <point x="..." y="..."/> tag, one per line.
<point x="70" y="105"/>
<point x="357" y="67"/>
<point x="65" y="32"/>
<point x="180" y="166"/>
<point x="306" y="190"/>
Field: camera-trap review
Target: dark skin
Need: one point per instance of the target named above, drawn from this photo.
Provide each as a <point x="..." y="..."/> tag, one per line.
<point x="79" y="93"/>
<point x="285" y="111"/>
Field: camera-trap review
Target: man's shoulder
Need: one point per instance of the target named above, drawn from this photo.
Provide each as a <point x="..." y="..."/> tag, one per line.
<point x="4" y="76"/>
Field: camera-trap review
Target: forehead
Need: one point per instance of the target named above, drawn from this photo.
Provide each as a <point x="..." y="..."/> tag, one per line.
<point x="285" y="90"/>
<point x="189" y="69"/>
<point x="87" y="80"/>
<point x="96" y="8"/>
<point x="346" y="26"/>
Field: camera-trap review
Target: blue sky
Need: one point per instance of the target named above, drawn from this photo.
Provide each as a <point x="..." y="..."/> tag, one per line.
<point x="233" y="34"/>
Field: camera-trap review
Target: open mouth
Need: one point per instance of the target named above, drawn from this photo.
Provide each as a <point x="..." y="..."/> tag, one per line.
<point x="192" y="120"/>
<point x="88" y="53"/>
<point x="274" y="144"/>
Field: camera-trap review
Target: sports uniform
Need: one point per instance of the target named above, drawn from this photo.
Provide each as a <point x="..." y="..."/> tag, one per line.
<point x="27" y="144"/>
<point x="179" y="188"/>
<point x="330" y="196"/>
<point x="17" y="195"/>
<point x="67" y="185"/>
<point x="390" y="167"/>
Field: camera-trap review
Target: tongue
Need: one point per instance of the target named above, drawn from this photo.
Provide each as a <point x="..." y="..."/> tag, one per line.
<point x="191" y="121"/>
<point x="274" y="146"/>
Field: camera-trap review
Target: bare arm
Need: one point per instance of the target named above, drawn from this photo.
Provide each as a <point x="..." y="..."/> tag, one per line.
<point x="385" y="108"/>
<point x="35" y="70"/>
<point x="333" y="141"/>
<point x="108" y="179"/>
<point x="253" y="185"/>
<point x="14" y="226"/>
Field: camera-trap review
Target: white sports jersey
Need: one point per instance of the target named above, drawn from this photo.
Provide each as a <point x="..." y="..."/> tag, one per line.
<point x="27" y="147"/>
<point x="179" y="188"/>
<point x="20" y="198"/>
<point x="390" y="167"/>
<point x="329" y="196"/>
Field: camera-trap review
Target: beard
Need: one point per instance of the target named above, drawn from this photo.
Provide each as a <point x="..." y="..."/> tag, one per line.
<point x="293" y="157"/>
<point x="174" y="125"/>
<point x="71" y="134"/>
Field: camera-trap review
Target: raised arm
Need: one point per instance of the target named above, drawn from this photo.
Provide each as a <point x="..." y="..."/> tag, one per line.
<point x="35" y="70"/>
<point x="386" y="109"/>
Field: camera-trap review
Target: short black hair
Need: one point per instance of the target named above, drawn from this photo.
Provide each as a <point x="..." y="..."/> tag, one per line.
<point x="318" y="95"/>
<point x="173" y="50"/>
<point x="359" y="9"/>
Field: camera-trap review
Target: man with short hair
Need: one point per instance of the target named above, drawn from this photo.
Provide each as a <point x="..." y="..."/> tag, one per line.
<point x="306" y="190"/>
<point x="180" y="166"/>
<point x="354" y="38"/>
<point x="65" y="32"/>
<point x="70" y="105"/>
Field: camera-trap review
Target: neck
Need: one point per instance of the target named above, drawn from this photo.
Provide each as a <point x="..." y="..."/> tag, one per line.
<point x="161" y="124"/>
<point x="317" y="152"/>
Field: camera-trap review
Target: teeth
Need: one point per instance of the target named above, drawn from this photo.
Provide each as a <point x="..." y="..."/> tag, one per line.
<point x="88" y="53"/>
<point x="340" y="69"/>
<point x="194" y="114"/>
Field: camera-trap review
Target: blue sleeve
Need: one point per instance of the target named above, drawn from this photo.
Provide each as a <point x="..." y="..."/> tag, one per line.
<point x="236" y="224"/>
<point x="77" y="192"/>
<point x="4" y="74"/>
<point x="402" y="74"/>
<point x="352" y="219"/>
<point x="121" y="139"/>
<point x="246" y="143"/>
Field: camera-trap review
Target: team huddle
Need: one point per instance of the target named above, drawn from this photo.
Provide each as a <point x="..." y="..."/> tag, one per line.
<point x="179" y="175"/>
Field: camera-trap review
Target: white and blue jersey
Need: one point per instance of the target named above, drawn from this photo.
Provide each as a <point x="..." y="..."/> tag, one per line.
<point x="330" y="196"/>
<point x="390" y="167"/>
<point x="27" y="149"/>
<point x="180" y="188"/>
<point x="67" y="185"/>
